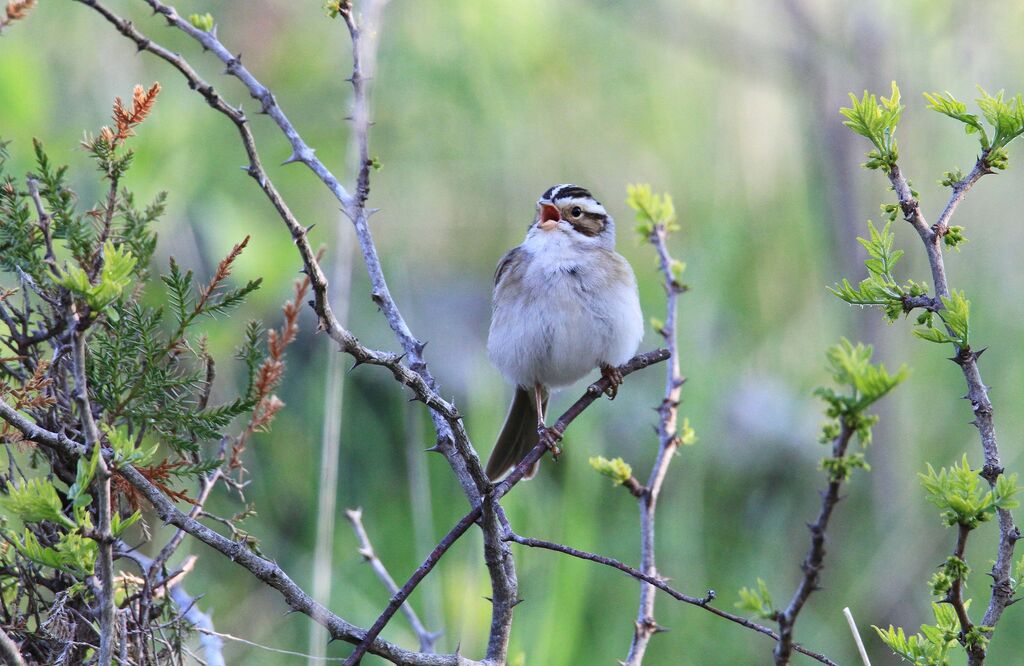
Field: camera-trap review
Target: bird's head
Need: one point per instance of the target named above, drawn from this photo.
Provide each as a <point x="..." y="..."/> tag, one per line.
<point x="573" y="210"/>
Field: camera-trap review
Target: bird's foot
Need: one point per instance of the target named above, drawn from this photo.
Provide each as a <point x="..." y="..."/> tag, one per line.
<point x="550" y="437"/>
<point x="614" y="377"/>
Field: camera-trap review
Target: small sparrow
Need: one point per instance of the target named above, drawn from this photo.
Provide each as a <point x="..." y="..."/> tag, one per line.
<point x="564" y="303"/>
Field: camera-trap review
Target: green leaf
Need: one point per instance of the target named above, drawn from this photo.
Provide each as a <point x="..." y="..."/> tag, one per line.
<point x="202" y="22"/>
<point x="963" y="497"/>
<point x="757" y="601"/>
<point x="617" y="469"/>
<point x="946" y="104"/>
<point x="34" y="501"/>
<point x="86" y="470"/>
<point x="651" y="209"/>
<point x="876" y="120"/>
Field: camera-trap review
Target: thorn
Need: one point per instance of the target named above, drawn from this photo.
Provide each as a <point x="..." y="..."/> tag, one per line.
<point x="978" y="353"/>
<point x="355" y="365"/>
<point x="310" y="228"/>
<point x="518" y="601"/>
<point x="659" y="629"/>
<point x="294" y="157"/>
<point x="420" y="346"/>
<point x="489" y="599"/>
<point x="370" y="212"/>
<point x="436" y="448"/>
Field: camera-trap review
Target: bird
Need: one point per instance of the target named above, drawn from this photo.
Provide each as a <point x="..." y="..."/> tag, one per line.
<point x="564" y="303"/>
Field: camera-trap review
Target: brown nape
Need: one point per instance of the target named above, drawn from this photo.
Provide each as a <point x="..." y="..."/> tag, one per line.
<point x="591" y="224"/>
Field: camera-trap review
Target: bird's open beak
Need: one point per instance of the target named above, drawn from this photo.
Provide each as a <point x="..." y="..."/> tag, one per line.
<point x="549" y="216"/>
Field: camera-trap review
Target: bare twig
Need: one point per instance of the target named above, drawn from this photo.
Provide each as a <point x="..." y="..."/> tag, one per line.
<point x="427" y="638"/>
<point x="668" y="442"/>
<point x="956" y="596"/>
<point x="701" y="602"/>
<point x="213" y="646"/>
<point x="104" y="538"/>
<point x="814" y="561"/>
<point x="592" y="393"/>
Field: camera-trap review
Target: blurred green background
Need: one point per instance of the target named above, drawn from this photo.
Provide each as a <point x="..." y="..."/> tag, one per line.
<point x="730" y="106"/>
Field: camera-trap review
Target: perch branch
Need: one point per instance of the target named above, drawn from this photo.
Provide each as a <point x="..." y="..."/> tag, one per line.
<point x="593" y="391"/>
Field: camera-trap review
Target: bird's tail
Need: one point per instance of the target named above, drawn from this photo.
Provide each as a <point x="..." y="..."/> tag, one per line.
<point x="518" y="435"/>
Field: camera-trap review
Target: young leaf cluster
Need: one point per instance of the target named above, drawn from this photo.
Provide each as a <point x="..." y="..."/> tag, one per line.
<point x="1004" y="117"/>
<point x="617" y="469"/>
<point x="851" y="367"/>
<point x="956" y="315"/>
<point x="880" y="287"/>
<point x="930" y="647"/>
<point x="964" y="497"/>
<point x="757" y="601"/>
<point x="652" y="210"/>
<point x="876" y="119"/>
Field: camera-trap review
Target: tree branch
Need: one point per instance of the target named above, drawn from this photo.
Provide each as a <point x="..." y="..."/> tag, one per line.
<point x="701" y="602"/>
<point x="447" y="421"/>
<point x="263" y="569"/>
<point x="427" y="638"/>
<point x="211" y="643"/>
<point x="101" y="483"/>
<point x="977" y="392"/>
<point x="814" y="561"/>
<point x="593" y="391"/>
<point x="668" y="442"/>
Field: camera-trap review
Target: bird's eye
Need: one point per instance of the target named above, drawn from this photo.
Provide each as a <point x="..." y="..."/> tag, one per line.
<point x="576" y="211"/>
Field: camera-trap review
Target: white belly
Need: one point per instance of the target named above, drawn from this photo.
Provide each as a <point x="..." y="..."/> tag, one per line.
<point x="561" y="321"/>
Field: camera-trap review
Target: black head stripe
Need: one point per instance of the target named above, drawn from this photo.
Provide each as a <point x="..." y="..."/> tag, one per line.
<point x="572" y="192"/>
<point x="566" y="191"/>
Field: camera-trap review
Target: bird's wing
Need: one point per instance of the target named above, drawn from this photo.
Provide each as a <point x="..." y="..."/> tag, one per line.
<point x="511" y="258"/>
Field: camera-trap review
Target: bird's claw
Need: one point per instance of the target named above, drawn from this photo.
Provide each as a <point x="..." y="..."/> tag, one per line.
<point x="550" y="437"/>
<point x="614" y="377"/>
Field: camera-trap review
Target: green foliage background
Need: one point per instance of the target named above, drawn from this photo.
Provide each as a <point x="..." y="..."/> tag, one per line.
<point x="732" y="107"/>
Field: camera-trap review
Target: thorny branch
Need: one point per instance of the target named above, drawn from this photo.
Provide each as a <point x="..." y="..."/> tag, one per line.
<point x="701" y="602"/>
<point x="453" y="441"/>
<point x="814" y="561"/>
<point x="263" y="569"/>
<point x="592" y="393"/>
<point x="668" y="442"/>
<point x="977" y="392"/>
